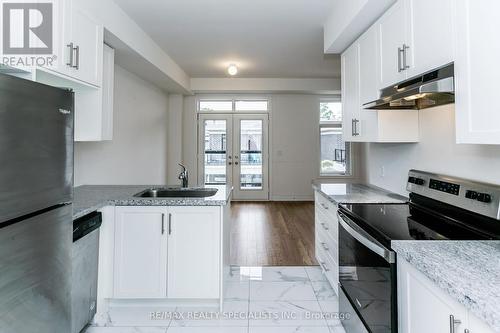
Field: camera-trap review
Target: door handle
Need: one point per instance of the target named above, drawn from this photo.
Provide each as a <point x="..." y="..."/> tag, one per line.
<point x="162" y="223"/>
<point x="405" y="65"/>
<point x="229" y="163"/>
<point x="70" y="63"/>
<point x="323" y="265"/>
<point x="77" y="57"/>
<point x="364" y="238"/>
<point x="453" y="323"/>
<point x="169" y="224"/>
<point x="400" y="67"/>
<point x="235" y="163"/>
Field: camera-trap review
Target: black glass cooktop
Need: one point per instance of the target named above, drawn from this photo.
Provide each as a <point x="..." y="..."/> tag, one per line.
<point x="407" y="221"/>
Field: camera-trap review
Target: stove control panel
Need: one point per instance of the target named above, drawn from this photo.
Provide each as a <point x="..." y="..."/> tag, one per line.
<point x="477" y="197"/>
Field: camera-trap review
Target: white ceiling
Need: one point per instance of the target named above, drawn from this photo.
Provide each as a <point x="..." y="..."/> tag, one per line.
<point x="264" y="38"/>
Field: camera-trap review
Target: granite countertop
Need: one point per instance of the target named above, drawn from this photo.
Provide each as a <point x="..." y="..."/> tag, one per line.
<point x="469" y="271"/>
<point x="356" y="193"/>
<point x="88" y="198"/>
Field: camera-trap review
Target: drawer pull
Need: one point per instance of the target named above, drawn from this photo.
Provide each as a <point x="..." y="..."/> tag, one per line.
<point x="324" y="206"/>
<point x="324" y="226"/>
<point x="323" y="265"/>
<point x="325" y="247"/>
<point x="453" y="323"/>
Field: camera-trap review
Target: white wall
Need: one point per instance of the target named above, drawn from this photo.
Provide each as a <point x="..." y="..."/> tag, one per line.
<point x="137" y="153"/>
<point x="174" y="145"/>
<point x="294" y="144"/>
<point x="436" y="152"/>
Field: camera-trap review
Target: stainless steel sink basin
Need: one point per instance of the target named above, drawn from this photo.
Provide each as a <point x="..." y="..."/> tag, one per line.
<point x="176" y="192"/>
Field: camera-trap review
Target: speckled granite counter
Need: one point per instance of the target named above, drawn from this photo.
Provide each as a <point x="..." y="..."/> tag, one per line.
<point x="88" y="198"/>
<point x="356" y="193"/>
<point x="469" y="271"/>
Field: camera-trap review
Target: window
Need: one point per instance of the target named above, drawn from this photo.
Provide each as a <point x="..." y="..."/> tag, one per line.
<point x="211" y="105"/>
<point x="335" y="154"/>
<point x="251" y="105"/>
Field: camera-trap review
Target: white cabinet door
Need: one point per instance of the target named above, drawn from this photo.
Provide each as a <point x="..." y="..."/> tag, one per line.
<point x="350" y="92"/>
<point x="422" y="306"/>
<point x="430" y="37"/>
<point x="392" y="36"/>
<point x="477" y="71"/>
<point x="194" y="252"/>
<point x="140" y="255"/>
<point x="368" y="66"/>
<point x="87" y="36"/>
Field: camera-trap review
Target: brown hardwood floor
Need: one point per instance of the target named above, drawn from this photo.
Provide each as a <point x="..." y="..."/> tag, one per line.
<point x="272" y="234"/>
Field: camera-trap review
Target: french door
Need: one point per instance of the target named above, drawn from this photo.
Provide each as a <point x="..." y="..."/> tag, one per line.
<point x="233" y="150"/>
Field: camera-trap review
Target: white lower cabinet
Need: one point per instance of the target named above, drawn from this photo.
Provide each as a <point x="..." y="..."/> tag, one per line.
<point x="423" y="307"/>
<point x="167" y="252"/>
<point x="326" y="239"/>
<point x="193" y="252"/>
<point x="140" y="255"/>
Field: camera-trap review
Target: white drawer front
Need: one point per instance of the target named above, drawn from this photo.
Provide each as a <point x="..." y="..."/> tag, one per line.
<point x="330" y="269"/>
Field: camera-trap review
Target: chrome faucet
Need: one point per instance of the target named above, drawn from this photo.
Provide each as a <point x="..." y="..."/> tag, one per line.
<point x="184" y="176"/>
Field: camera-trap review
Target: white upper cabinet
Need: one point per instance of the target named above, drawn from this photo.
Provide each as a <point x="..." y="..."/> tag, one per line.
<point x="392" y="35"/>
<point x="430" y="42"/>
<point x="368" y="50"/>
<point x="476" y="71"/>
<point x="87" y="37"/>
<point x="350" y="92"/>
<point x="80" y="44"/>
<point x="415" y="37"/>
<point x="359" y="78"/>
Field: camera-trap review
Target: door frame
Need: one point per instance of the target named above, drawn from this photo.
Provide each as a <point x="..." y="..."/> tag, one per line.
<point x="233" y="141"/>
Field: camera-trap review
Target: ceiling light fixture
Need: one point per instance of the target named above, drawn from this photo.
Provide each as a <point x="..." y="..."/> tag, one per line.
<point x="232" y="70"/>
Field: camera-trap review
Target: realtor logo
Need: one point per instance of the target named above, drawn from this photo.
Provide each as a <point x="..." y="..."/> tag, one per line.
<point x="27" y="28"/>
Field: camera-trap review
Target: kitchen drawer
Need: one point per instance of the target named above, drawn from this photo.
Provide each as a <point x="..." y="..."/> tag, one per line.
<point x="327" y="223"/>
<point x="325" y="205"/>
<point x="330" y="268"/>
<point x="329" y="245"/>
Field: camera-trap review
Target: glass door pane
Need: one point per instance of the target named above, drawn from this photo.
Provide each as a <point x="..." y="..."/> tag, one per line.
<point x="215" y="152"/>
<point x="251" y="154"/>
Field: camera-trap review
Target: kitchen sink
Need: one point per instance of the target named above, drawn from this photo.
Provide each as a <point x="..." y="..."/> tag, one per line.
<point x="176" y="192"/>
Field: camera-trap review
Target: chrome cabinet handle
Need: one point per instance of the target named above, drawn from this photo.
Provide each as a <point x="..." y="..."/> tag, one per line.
<point x="400" y="69"/>
<point x="70" y="46"/>
<point x="162" y="223"/>
<point x="324" y="226"/>
<point x="325" y="247"/>
<point x="77" y="57"/>
<point x="323" y="265"/>
<point x="405" y="65"/>
<point x="453" y="323"/>
<point x="169" y="224"/>
<point x="324" y="206"/>
<point x="229" y="163"/>
<point x="235" y="163"/>
<point x="466" y="330"/>
<point x="353" y="127"/>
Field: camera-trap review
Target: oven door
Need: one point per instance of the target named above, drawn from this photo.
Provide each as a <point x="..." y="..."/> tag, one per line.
<point x="367" y="275"/>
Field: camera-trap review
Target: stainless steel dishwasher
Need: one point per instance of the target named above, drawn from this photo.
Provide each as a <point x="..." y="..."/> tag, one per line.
<point x="85" y="258"/>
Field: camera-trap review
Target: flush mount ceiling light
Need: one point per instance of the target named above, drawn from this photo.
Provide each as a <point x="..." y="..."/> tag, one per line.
<point x="232" y="70"/>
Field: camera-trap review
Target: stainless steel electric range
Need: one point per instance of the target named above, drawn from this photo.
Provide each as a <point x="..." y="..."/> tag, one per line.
<point x="439" y="208"/>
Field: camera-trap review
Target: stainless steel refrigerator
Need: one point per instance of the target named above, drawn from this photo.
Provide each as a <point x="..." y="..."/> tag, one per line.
<point x="36" y="186"/>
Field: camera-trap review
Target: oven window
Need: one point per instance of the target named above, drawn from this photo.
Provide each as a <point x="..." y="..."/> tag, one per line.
<point x="366" y="279"/>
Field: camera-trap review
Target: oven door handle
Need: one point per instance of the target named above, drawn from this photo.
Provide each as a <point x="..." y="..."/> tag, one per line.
<point x="364" y="238"/>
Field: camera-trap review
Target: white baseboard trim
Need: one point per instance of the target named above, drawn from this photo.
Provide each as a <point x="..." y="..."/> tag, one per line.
<point x="292" y="198"/>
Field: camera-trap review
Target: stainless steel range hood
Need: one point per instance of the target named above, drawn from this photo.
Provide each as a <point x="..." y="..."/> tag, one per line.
<point x="424" y="91"/>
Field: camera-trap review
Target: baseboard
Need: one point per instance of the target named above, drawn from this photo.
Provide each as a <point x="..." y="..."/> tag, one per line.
<point x="292" y="198"/>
